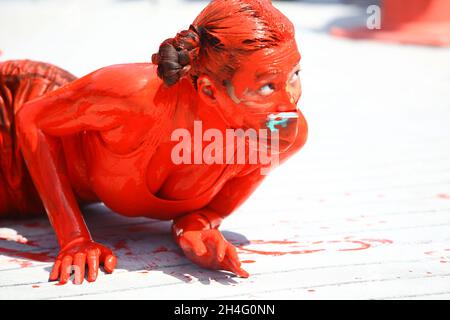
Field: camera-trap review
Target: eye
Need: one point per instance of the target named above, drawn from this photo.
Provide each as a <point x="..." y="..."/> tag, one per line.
<point x="295" y="76"/>
<point x="267" y="89"/>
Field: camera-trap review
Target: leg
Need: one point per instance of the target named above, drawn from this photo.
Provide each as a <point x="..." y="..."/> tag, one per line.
<point x="21" y="81"/>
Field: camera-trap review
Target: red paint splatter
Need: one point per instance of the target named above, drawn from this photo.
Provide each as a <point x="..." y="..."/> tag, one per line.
<point x="21" y="263"/>
<point x="160" y="249"/>
<point x="248" y="261"/>
<point x="443" y="196"/>
<point x="442" y="255"/>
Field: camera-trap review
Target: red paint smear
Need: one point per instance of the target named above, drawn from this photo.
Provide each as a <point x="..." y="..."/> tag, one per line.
<point x="22" y="264"/>
<point x="248" y="261"/>
<point x="363" y="246"/>
<point x="122" y="244"/>
<point x="356" y="245"/>
<point x="41" y="257"/>
<point x="35" y="286"/>
<point x="160" y="249"/>
<point x="143" y="271"/>
<point x="311" y="290"/>
<point x="443" y="196"/>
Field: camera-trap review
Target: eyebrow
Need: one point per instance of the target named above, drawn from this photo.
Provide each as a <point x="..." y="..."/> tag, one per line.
<point x="273" y="72"/>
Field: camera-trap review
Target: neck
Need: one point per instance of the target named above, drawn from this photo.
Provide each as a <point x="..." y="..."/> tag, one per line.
<point x="191" y="108"/>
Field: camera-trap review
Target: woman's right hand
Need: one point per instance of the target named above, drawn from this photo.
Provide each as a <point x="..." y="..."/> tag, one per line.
<point x="78" y="254"/>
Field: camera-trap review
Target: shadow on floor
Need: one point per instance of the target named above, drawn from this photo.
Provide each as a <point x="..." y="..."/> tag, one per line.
<point x="141" y="244"/>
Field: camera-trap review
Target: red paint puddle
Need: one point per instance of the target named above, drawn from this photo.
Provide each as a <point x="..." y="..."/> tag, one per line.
<point x="248" y="261"/>
<point x="41" y="257"/>
<point x="161" y="249"/>
<point x="348" y="244"/>
<point x="122" y="244"/>
<point x="443" y="196"/>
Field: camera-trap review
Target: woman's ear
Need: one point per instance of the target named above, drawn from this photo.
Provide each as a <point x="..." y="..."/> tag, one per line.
<point x="207" y="90"/>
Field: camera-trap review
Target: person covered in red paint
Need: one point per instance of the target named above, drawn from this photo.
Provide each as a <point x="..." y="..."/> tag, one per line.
<point x="106" y="137"/>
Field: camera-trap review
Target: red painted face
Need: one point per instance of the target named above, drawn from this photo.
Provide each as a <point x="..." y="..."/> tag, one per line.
<point x="264" y="92"/>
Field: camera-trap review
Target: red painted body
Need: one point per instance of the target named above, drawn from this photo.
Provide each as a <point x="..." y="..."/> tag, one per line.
<point x="106" y="137"/>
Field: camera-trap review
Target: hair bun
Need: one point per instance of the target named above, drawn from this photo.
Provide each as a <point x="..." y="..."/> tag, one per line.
<point x="176" y="55"/>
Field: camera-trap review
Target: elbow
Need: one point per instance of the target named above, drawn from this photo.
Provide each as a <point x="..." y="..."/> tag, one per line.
<point x="26" y="128"/>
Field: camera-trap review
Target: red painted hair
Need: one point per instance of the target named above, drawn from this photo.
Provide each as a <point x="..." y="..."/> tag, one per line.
<point x="221" y="36"/>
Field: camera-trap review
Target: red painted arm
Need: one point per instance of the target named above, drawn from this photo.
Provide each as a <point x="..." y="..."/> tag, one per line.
<point x="42" y="122"/>
<point x="197" y="232"/>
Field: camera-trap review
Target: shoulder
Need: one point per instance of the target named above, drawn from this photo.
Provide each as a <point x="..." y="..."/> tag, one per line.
<point x="123" y="79"/>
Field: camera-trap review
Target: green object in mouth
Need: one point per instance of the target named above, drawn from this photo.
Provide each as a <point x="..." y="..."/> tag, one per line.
<point x="279" y="119"/>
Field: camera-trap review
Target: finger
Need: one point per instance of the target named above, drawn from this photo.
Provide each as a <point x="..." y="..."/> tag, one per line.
<point x="66" y="269"/>
<point x="237" y="270"/>
<point x="93" y="258"/>
<point x="110" y="263"/>
<point x="80" y="264"/>
<point x="221" y="247"/>
<point x="234" y="261"/>
<point x="54" y="275"/>
<point x="194" y="243"/>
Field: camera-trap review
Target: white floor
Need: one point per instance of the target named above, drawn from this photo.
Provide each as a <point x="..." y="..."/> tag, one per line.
<point x="362" y="212"/>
